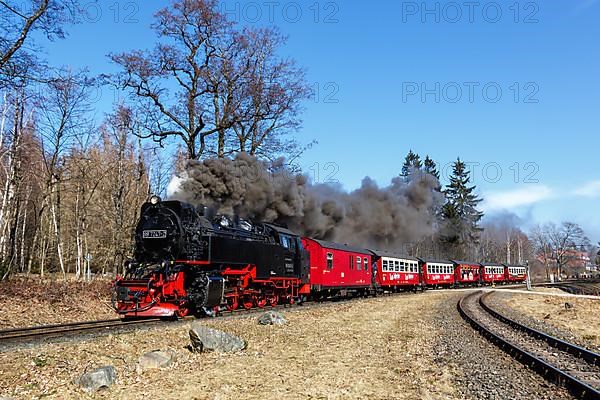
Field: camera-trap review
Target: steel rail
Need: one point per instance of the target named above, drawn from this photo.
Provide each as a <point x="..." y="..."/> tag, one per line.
<point x="548" y="371"/>
<point x="577" y="351"/>
<point x="44" y="331"/>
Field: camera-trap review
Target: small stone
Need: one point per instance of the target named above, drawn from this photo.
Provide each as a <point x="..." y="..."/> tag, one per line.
<point x="155" y="360"/>
<point x="97" y="379"/>
<point x="272" y="318"/>
<point x="205" y="338"/>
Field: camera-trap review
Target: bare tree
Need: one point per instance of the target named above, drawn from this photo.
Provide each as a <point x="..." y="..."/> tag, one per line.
<point x="204" y="77"/>
<point x="271" y="99"/>
<point x="63" y="111"/>
<point x="559" y="244"/>
<point x="19" y="19"/>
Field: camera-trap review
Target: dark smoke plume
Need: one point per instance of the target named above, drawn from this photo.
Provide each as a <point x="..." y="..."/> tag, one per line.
<point x="369" y="216"/>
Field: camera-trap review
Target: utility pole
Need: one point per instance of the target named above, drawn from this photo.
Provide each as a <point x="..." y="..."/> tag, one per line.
<point x="528" y="278"/>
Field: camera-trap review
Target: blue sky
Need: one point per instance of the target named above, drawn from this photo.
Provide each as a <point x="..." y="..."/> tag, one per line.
<point x="510" y="87"/>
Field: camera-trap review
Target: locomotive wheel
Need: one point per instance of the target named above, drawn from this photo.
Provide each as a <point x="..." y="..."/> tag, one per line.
<point x="182" y="311"/>
<point x="248" y="302"/>
<point x="261" y="302"/>
<point x="273" y="300"/>
<point x="232" y="303"/>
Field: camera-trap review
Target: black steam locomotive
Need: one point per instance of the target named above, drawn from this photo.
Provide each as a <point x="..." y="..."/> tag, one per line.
<point x="183" y="261"/>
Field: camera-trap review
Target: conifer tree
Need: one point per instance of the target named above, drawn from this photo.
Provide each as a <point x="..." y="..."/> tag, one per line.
<point x="412" y="162"/>
<point x="431" y="167"/>
<point x="460" y="216"/>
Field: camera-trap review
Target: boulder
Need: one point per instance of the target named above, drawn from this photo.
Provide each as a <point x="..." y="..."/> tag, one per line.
<point x="155" y="360"/>
<point x="97" y="379"/>
<point x="205" y="338"/>
<point x="272" y="318"/>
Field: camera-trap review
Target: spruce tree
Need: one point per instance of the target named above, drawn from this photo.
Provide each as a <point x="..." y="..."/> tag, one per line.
<point x="460" y="216"/>
<point x="431" y="167"/>
<point x="412" y="162"/>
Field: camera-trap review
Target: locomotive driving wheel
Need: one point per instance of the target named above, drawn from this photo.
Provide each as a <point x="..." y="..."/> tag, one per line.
<point x="248" y="302"/>
<point x="261" y="301"/>
<point x="273" y="299"/>
<point x="232" y="303"/>
<point x="182" y="311"/>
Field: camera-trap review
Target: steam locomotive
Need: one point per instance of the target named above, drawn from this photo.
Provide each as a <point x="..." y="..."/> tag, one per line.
<point x="185" y="262"/>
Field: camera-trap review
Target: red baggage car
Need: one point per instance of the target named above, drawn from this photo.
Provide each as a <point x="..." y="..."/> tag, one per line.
<point x="338" y="269"/>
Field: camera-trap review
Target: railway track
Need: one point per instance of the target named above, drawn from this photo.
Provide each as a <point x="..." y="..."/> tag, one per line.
<point x="38" y="333"/>
<point x="563" y="363"/>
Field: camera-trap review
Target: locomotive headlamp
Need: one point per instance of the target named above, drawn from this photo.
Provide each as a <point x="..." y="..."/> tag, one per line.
<point x="154" y="199"/>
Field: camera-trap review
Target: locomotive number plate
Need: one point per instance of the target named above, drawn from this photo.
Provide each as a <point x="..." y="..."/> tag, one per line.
<point x="154" y="234"/>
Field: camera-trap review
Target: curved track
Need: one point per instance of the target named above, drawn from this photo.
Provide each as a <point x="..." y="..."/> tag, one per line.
<point x="563" y="363"/>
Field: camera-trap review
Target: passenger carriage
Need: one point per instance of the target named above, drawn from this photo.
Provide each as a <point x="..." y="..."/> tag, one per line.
<point x="515" y="273"/>
<point x="467" y="273"/>
<point x="337" y="269"/>
<point x="492" y="273"/>
<point x="437" y="273"/>
<point x="395" y="272"/>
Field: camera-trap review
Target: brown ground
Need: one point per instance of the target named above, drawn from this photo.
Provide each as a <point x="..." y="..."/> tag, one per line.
<point x="28" y="302"/>
<point x="583" y="320"/>
<point x="369" y="349"/>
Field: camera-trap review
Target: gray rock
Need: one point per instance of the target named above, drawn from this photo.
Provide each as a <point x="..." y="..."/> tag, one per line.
<point x="97" y="379"/>
<point x="155" y="360"/>
<point x="272" y="318"/>
<point x="205" y="338"/>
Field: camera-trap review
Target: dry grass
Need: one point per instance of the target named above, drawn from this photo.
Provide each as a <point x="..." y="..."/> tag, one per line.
<point x="27" y="302"/>
<point x="373" y="349"/>
<point x="583" y="320"/>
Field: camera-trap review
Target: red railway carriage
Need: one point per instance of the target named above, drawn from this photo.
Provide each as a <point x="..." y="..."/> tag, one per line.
<point x="515" y="273"/>
<point x="438" y="273"/>
<point x="466" y="273"/>
<point x="492" y="273"/>
<point x="396" y="272"/>
<point x="337" y="269"/>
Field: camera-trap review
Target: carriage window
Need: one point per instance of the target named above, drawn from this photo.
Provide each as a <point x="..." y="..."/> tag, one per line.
<point x="397" y="266"/>
<point x="366" y="263"/>
<point x="329" y="260"/>
<point x="358" y="264"/>
<point x="385" y="266"/>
